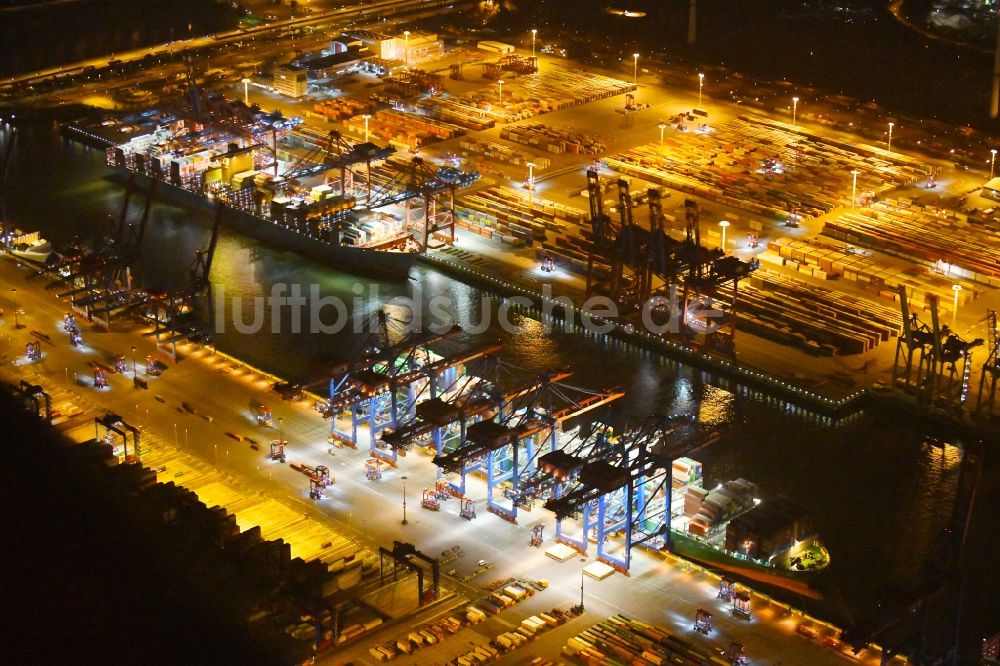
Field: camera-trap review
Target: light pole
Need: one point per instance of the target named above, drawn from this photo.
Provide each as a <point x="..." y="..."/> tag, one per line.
<point x="17" y="322"/>
<point x="662" y="127"/>
<point x="635" y="69"/>
<point x="246" y="91"/>
<point x="531" y="176"/>
<point x="889" y="144"/>
<point x="500" y="102"/>
<point x="404" y="500"/>
<point x="725" y="225"/>
<point x="954" y="315"/>
<point x="135" y="372"/>
<point x="366" y="117"/>
<point x="701" y="83"/>
<point x="993" y="159"/>
<point x="406" y="48"/>
<point x="854" y="187"/>
<point x="534" y="33"/>
<point x="582" y="573"/>
<point x="795" y="108"/>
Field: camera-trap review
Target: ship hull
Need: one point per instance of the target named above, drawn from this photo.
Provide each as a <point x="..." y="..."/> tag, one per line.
<point x="690" y="548"/>
<point x="380" y="264"/>
<point x="34" y="255"/>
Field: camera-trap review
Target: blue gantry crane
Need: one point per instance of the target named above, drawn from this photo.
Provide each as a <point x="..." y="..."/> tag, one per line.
<point x="448" y="408"/>
<point x="506" y="446"/>
<point x="615" y="490"/>
<point x="379" y="390"/>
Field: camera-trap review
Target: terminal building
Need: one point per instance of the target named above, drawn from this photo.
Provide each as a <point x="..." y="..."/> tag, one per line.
<point x="413" y="48"/>
<point x="291" y="80"/>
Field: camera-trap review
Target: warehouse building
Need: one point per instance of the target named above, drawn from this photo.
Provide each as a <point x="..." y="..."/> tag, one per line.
<point x="347" y="59"/>
<point x="991" y="190"/>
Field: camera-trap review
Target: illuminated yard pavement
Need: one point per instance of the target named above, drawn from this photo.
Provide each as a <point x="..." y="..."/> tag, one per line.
<point x="369" y="511"/>
<point x="835" y="377"/>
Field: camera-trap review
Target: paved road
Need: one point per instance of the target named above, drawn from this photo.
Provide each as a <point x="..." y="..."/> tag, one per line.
<point x="371" y="511"/>
<point x="376" y="10"/>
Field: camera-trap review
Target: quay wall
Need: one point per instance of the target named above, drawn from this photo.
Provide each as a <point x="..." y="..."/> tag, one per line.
<point x="714" y="362"/>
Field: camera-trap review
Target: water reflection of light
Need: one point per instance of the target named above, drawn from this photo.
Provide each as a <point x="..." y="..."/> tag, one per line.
<point x="934" y="488"/>
<point x="684" y="397"/>
<point x="532" y="340"/>
<point x="646" y="380"/>
<point x="400" y="313"/>
<point x="716" y="405"/>
<point x="948" y="455"/>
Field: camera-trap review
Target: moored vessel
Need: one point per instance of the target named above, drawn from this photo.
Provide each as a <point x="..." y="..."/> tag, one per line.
<point x="732" y="526"/>
<point x="351" y="205"/>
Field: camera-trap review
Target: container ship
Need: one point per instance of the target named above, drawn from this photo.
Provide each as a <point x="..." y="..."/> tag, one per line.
<point x="731" y="526"/>
<point x="353" y="206"/>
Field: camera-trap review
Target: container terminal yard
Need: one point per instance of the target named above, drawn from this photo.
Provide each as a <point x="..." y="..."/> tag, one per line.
<point x="544" y="173"/>
<point x="215" y="426"/>
<point x="842" y="270"/>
